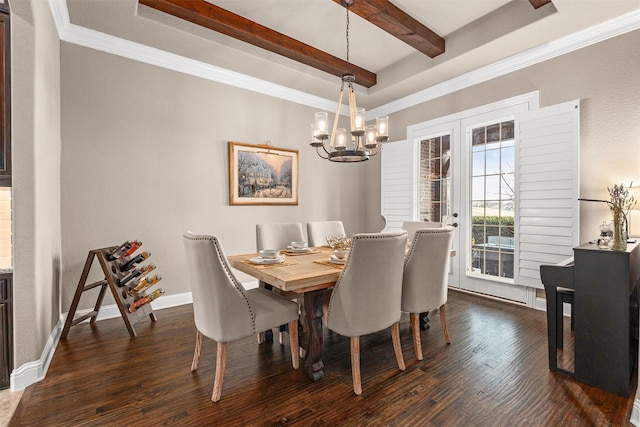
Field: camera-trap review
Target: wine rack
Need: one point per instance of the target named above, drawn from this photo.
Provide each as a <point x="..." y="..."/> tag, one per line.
<point x="113" y="277"/>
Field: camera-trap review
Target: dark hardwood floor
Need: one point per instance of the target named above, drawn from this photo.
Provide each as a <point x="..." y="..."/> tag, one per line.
<point x="494" y="373"/>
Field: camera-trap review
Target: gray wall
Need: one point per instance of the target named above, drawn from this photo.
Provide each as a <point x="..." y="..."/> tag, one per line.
<point x="36" y="177"/>
<point x="145" y="156"/>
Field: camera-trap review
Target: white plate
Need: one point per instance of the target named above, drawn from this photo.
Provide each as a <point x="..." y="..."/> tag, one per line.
<point x="265" y="261"/>
<point x="335" y="260"/>
<point x="292" y="249"/>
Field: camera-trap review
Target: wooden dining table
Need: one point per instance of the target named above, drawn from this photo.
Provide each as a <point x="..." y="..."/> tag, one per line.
<point x="305" y="274"/>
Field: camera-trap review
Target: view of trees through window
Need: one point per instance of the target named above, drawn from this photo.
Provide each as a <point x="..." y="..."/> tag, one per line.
<point x="492" y="199"/>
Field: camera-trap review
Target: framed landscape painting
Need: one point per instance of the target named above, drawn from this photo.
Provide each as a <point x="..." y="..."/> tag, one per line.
<point x="262" y="175"/>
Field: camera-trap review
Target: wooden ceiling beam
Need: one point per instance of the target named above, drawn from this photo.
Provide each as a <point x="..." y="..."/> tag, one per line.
<point x="387" y="16"/>
<point x="205" y="14"/>
<point x="538" y="3"/>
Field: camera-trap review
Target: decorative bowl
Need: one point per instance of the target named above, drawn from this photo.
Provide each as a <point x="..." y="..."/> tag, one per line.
<point x="341" y="253"/>
<point x="269" y="253"/>
<point x="298" y="245"/>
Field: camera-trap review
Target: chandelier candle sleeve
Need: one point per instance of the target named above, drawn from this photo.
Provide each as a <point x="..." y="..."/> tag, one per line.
<point x="382" y="124"/>
<point x="358" y="125"/>
<point x="341" y="139"/>
<point x="322" y="126"/>
<point x="370" y="132"/>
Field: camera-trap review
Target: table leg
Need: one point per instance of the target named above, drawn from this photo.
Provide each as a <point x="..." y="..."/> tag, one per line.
<point x="424" y="321"/>
<point x="313" y="336"/>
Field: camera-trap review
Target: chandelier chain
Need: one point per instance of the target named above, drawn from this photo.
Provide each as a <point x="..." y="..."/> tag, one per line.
<point x="347" y="33"/>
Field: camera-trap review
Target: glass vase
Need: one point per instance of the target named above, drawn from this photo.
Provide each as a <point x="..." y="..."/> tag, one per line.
<point x="619" y="240"/>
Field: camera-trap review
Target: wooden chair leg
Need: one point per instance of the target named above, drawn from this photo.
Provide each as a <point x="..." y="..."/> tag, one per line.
<point x="443" y="320"/>
<point x="415" y="331"/>
<point x="397" y="347"/>
<point x="196" y="353"/>
<point x="260" y="337"/>
<point x="221" y="362"/>
<point x="355" y="365"/>
<point x="293" y="342"/>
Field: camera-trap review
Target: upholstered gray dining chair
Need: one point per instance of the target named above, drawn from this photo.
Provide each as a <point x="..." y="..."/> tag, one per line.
<point x="366" y="298"/>
<point x="277" y="236"/>
<point x="425" y="280"/>
<point x="319" y="230"/>
<point x="413" y="226"/>
<point x="224" y="311"/>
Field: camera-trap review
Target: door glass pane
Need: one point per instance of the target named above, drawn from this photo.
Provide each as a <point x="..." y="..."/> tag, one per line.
<point x="435" y="178"/>
<point x="492" y="204"/>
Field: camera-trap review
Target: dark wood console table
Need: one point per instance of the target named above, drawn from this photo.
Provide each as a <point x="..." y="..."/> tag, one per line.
<point x="606" y="302"/>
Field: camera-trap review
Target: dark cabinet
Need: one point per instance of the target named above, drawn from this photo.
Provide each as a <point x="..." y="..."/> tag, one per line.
<point x="6" y="328"/>
<point x="5" y="101"/>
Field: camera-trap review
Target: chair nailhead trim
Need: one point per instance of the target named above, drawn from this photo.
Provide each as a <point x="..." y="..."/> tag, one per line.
<point x="230" y="275"/>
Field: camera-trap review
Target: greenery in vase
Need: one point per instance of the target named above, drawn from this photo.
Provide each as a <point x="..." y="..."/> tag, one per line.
<point x="339" y="242"/>
<point x="620" y="200"/>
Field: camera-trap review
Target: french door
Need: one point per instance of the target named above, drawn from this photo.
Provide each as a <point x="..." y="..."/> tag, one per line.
<point x="467" y="179"/>
<point x="507" y="175"/>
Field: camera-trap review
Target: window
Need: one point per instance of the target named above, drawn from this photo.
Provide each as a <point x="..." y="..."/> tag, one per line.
<point x="435" y="182"/>
<point x="493" y="199"/>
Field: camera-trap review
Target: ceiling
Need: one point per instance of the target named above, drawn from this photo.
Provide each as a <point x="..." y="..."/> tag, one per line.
<point x="476" y="34"/>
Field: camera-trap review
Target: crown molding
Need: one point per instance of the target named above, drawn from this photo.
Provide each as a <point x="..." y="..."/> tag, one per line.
<point x="97" y="40"/>
<point x="86" y="37"/>
<point x="559" y="47"/>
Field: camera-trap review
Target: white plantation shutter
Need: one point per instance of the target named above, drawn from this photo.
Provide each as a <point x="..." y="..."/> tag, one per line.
<point x="399" y="181"/>
<point x="547" y="178"/>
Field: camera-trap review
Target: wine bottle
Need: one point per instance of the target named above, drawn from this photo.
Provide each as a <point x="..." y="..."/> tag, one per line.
<point x="119" y="251"/>
<point x="145" y="300"/>
<point x="134" y="247"/>
<point x="143" y="284"/>
<point x="135" y="260"/>
<point x="135" y="273"/>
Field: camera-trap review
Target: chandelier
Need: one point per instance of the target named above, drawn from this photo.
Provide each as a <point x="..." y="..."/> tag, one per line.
<point x="363" y="140"/>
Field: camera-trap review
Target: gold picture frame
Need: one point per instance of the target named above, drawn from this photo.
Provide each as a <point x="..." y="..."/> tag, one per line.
<point x="262" y="175"/>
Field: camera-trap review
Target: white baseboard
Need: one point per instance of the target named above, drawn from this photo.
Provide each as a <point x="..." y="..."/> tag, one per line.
<point x="541" y="304"/>
<point x="32" y="372"/>
<point x="635" y="413"/>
